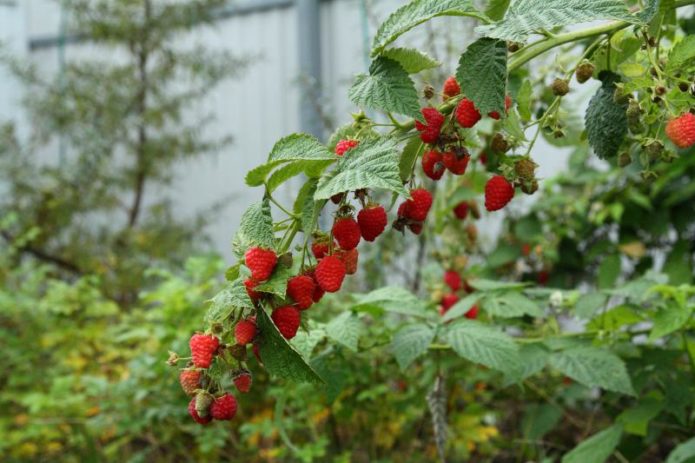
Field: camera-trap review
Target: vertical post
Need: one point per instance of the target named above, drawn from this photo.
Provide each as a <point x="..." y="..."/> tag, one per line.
<point x="309" y="66"/>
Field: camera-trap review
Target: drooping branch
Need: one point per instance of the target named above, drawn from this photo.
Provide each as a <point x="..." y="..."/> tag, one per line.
<point x="43" y="255"/>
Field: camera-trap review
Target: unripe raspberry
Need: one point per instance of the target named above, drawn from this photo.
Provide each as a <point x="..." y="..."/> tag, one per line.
<point x="584" y="72"/>
<point x="560" y="87"/>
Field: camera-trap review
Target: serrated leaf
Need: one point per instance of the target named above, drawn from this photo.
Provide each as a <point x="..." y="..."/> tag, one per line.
<point x="588" y="304"/>
<point x="606" y="121"/>
<point x="461" y="307"/>
<point x="511" y="304"/>
<point x="669" y="319"/>
<point x="482" y="73"/>
<point x="387" y="87"/>
<point x="373" y="164"/>
<point x="532" y="359"/>
<point x="306" y="341"/>
<point x="539" y="419"/>
<point x="410" y="153"/>
<point x="279" y="357"/>
<point x="512" y="125"/>
<point x="223" y="303"/>
<point x="683" y="452"/>
<point x="496" y="9"/>
<point x="594" y="367"/>
<point x="412" y="60"/>
<point x="635" y="420"/>
<point x="597" y="448"/>
<point x="255" y="228"/>
<point x="277" y="284"/>
<point x="417" y="12"/>
<point x="410" y="342"/>
<point x="482" y="344"/>
<point x="682" y="55"/>
<point x="345" y="329"/>
<point x="525" y="17"/>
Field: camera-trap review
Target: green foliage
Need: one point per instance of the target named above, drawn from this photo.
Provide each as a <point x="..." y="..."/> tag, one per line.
<point x="411" y="342"/>
<point x="483" y="344"/>
<point x="412" y="60"/>
<point x="597" y="448"/>
<point x="593" y="367"/>
<point x="482" y="72"/>
<point x="255" y="228"/>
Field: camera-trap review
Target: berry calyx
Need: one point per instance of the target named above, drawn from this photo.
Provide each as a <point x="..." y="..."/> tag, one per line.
<point x="372" y="221"/>
<point x="261" y="262"/>
<point x="287" y="320"/>
<point x="194" y="413"/>
<point x="498" y="193"/>
<point x="330" y="273"/>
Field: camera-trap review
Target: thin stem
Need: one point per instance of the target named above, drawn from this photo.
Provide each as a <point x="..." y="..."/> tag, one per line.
<point x="272" y="200"/>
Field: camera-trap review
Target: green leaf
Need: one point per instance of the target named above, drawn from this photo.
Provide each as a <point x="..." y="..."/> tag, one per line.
<point x="669" y="319"/>
<point x="525" y="17"/>
<point x="597" y="448"/>
<point x="482" y="73"/>
<point x="304" y="151"/>
<point x="594" y="367"/>
<point x="415" y="13"/>
<point x="345" y="329"/>
<point x="539" y="419"/>
<point x="373" y="164"/>
<point x="392" y="299"/>
<point x="255" y="229"/>
<point x="510" y="304"/>
<point x="306" y="341"/>
<point x="588" y="304"/>
<point x="224" y="302"/>
<point x="490" y="285"/>
<point x="482" y="344"/>
<point x="523" y="100"/>
<point x="277" y="284"/>
<point x="532" y="359"/>
<point x="386" y="88"/>
<point x="410" y="342"/>
<point x="461" y="307"/>
<point x="683" y="453"/>
<point x="412" y="60"/>
<point x="678" y="265"/>
<point x="279" y="357"/>
<point x="682" y="55"/>
<point x="635" y="420"/>
<point x="410" y="153"/>
<point x="496" y="9"/>
<point x="608" y="271"/>
<point x="308" y="208"/>
<point x="606" y="121"/>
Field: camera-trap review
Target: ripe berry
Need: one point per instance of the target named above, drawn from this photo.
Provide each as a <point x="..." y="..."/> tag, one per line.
<point x="429" y="132"/>
<point x="261" y="262"/>
<point x="287" y="320"/>
<point x="245" y="331"/>
<point x="432" y="164"/>
<point x="472" y="312"/>
<point x="320" y="248"/>
<point x="453" y="280"/>
<point x="507" y="105"/>
<point x="466" y="114"/>
<point x="243" y="381"/>
<point x="416" y="228"/>
<point x="372" y="221"/>
<point x="250" y="284"/>
<point x="681" y="130"/>
<point x="346" y="232"/>
<point x="301" y="289"/>
<point x="349" y="259"/>
<point x="449" y="301"/>
<point x="498" y="192"/>
<point x="330" y="273"/>
<point x="224" y="407"/>
<point x="451" y="87"/>
<point x="190" y="380"/>
<point x="345" y="145"/>
<point x="203" y="348"/>
<point x="419" y="204"/>
<point x="461" y="210"/>
<point x="456" y="162"/>
<point x="194" y="414"/>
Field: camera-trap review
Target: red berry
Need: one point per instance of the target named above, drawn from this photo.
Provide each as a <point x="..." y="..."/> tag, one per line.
<point x="543" y="277"/>
<point x="681" y="130"/>
<point x="403" y="209"/>
<point x="526" y="249"/>
<point x="455" y="162"/>
<point x="330" y="273"/>
<point x="203" y="349"/>
<point x="507" y="105"/>
<point x="449" y="301"/>
<point x="429" y="132"/>
<point x="451" y="87"/>
<point x="346" y="232"/>
<point x="320" y="248"/>
<point x="349" y="259"/>
<point x="416" y="228"/>
<point x="432" y="164"/>
<point x="261" y="262"/>
<point x="466" y="114"/>
<point x="419" y="204"/>
<point x="250" y="284"/>
<point x="243" y="381"/>
<point x="301" y="289"/>
<point x="345" y="145"/>
<point x="372" y="221"/>
<point x="224" y="407"/>
<point x="287" y="320"/>
<point x="461" y="210"/>
<point x="194" y="414"/>
<point x="472" y="312"/>
<point x="190" y="380"/>
<point x="453" y="280"/>
<point x="498" y="193"/>
<point x="245" y="331"/>
<point x="318" y="293"/>
<point x="483" y="158"/>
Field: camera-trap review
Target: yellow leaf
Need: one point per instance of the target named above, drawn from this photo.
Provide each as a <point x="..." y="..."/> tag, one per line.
<point x="635" y="249"/>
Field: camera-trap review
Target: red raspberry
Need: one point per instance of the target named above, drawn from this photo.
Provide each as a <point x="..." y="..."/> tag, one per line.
<point x="243" y="381"/>
<point x="507" y="105"/>
<point x="261" y="262"/>
<point x="194" y="414"/>
<point x="419" y="204"/>
<point x="224" y="407"/>
<point x="456" y="162"/>
<point x="429" y="132"/>
<point x="350" y="259"/>
<point x="453" y="280"/>
<point x="432" y="164"/>
<point x="416" y="228"/>
<point x="320" y="248"/>
<point x="403" y="210"/>
<point x="301" y="289"/>
<point x="681" y="130"/>
<point x="449" y="301"/>
<point x="245" y="331"/>
<point x="472" y="312"/>
<point x="190" y="380"/>
<point x="330" y="273"/>
<point x="346" y="232"/>
<point x="372" y="221"/>
<point x="451" y="87"/>
<point x="483" y="158"/>
<point x="345" y="145"/>
<point x="498" y="192"/>
<point x="466" y="114"/>
<point x="318" y="293"/>
<point x="461" y="210"/>
<point x="203" y="348"/>
<point x="287" y="320"/>
<point x="250" y="284"/>
<point x="526" y="249"/>
<point x="543" y="277"/>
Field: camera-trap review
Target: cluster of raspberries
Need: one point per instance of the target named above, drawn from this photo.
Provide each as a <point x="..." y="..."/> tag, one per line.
<point x="456" y="285"/>
<point x="447" y="152"/>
